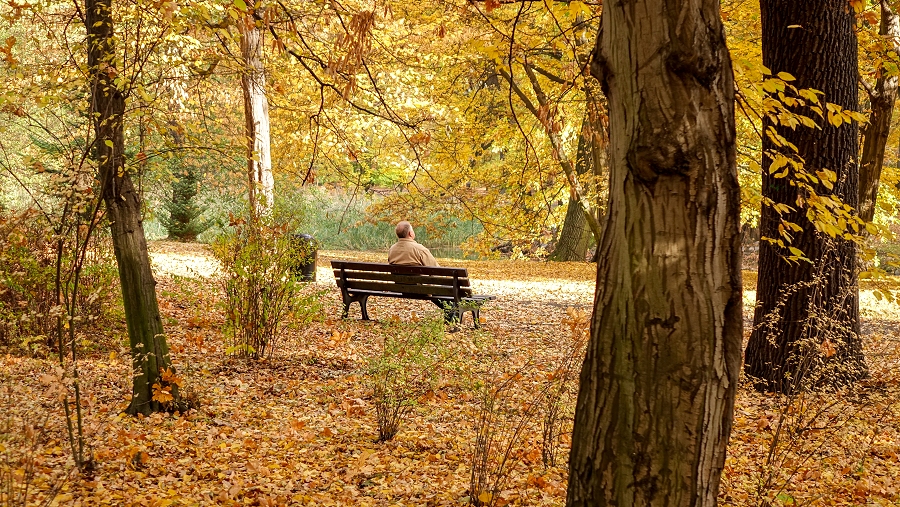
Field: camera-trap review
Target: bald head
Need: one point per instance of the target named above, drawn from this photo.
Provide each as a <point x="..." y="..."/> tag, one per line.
<point x="404" y="229"/>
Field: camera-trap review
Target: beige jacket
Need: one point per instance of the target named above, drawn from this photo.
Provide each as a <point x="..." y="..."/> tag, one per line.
<point x="407" y="252"/>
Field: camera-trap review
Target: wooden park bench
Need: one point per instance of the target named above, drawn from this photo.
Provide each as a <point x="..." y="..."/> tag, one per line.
<point x="449" y="286"/>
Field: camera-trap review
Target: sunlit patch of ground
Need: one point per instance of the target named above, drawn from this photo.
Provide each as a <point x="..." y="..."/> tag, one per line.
<point x="172" y="258"/>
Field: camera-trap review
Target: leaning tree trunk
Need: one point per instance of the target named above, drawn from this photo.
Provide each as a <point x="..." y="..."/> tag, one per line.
<point x="875" y="133"/>
<point x="550" y="123"/>
<point x="575" y="235"/>
<point x="256" y="113"/>
<point x="657" y="387"/>
<point x="149" y="351"/>
<point x="806" y="323"/>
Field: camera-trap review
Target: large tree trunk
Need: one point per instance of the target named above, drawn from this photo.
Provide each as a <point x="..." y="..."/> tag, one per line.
<point x="149" y="351"/>
<point x="256" y="112"/>
<point x="657" y="387"/>
<point x="806" y="325"/>
<point x="575" y="235"/>
<point x="875" y="133"/>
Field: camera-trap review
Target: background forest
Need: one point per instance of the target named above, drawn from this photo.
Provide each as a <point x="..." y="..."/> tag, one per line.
<point x="158" y="160"/>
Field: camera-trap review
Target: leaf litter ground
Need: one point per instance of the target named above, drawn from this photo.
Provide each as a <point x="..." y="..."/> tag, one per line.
<point x="299" y="428"/>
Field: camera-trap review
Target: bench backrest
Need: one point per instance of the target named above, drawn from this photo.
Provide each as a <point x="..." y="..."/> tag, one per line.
<point x="422" y="280"/>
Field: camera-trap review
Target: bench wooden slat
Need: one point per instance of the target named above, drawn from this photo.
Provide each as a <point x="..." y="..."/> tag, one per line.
<point x="409" y="279"/>
<point x="402" y="288"/>
<point x="406" y="295"/>
<point x="398" y="269"/>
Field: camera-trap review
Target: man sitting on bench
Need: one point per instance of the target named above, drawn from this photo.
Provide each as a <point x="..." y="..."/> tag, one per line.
<point x="407" y="252"/>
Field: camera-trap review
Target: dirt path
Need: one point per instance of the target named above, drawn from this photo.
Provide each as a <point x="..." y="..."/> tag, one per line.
<point x="531" y="295"/>
<point x="525" y="289"/>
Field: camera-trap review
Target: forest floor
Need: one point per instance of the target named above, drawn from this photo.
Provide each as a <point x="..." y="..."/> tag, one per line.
<point x="299" y="428"/>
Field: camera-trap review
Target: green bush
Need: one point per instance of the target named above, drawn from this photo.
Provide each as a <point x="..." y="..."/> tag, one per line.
<point x="184" y="221"/>
<point x="407" y="368"/>
<point x="261" y="289"/>
<point x="341" y="221"/>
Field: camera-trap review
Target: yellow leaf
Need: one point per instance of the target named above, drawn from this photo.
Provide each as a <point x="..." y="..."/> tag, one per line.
<point x="770" y="85"/>
<point x="835" y="119"/>
<point x="784" y="76"/>
<point x="485" y="498"/>
<point x="807" y="121"/>
<point x="161" y="394"/>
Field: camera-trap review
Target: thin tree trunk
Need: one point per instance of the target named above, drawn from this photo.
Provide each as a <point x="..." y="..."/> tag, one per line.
<point x="256" y="112"/>
<point x="875" y="133"/>
<point x="149" y="351"/>
<point x="806" y="323"/>
<point x="657" y="387"/>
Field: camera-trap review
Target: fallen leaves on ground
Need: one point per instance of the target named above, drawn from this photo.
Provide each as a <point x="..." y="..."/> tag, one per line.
<point x="299" y="428"/>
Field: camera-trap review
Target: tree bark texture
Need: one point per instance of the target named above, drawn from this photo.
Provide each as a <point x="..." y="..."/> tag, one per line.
<point x="149" y="351"/>
<point x="657" y="387"/>
<point x="806" y="323"/>
<point x="875" y="132"/>
<point x="590" y="159"/>
<point x="256" y="113"/>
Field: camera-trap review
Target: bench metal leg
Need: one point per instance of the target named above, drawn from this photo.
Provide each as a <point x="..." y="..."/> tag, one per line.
<point x="362" y="307"/>
<point x="362" y="300"/>
<point x="346" y="300"/>
<point x="450" y="312"/>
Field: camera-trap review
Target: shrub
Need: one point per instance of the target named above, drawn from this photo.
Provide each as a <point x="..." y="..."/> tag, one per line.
<point x="407" y="368"/>
<point x="261" y="290"/>
<point x="28" y="270"/>
<point x="27" y="477"/>
<point x="561" y="389"/>
<point x="507" y="417"/>
<point x="344" y="221"/>
<point x="523" y="409"/>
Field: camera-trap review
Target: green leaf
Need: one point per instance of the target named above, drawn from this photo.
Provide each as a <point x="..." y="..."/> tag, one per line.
<point x="108" y="143"/>
<point x="785" y="498"/>
<point x="240" y="4"/>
